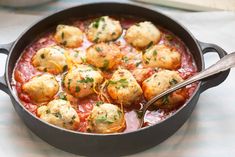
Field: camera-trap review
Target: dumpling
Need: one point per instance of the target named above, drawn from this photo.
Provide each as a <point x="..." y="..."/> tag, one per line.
<point x="160" y="82"/>
<point x="162" y="56"/>
<point x="41" y="88"/>
<point x="50" y="59"/>
<point x="142" y="35"/>
<point x="140" y="74"/>
<point x="123" y="88"/>
<point x="103" y="55"/>
<point x="106" y="118"/>
<point x="104" y="29"/>
<point x="60" y="113"/>
<point x="68" y="36"/>
<point x="82" y="81"/>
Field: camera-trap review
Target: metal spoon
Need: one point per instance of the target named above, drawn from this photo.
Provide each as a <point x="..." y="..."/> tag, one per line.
<point x="223" y="64"/>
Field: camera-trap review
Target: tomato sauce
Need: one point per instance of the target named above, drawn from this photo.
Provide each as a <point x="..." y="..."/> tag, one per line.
<point x="24" y="71"/>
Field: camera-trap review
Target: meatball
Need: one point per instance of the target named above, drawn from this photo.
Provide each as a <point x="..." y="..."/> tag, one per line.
<point x="123" y="88"/>
<point x="68" y="36"/>
<point x="162" y="56"/>
<point x="142" y="35"/>
<point x="82" y="81"/>
<point x="161" y="81"/>
<point x="50" y="59"/>
<point x="104" y="29"/>
<point x="41" y="88"/>
<point x="106" y="118"/>
<point x="103" y="55"/>
<point x="60" y="113"/>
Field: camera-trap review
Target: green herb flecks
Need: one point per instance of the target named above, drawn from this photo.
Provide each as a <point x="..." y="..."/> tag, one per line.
<point x="65" y="67"/>
<point x="86" y="80"/>
<point x="173" y="82"/>
<point x="62" y="35"/>
<point x="98" y="49"/>
<point x="105" y="65"/>
<point x="73" y="117"/>
<point x="96" y="39"/>
<point x="165" y="99"/>
<point x="138" y="63"/>
<point x="42" y="56"/>
<point x="75" y="54"/>
<point x="77" y="89"/>
<point x="62" y="96"/>
<point x="125" y="59"/>
<point x="83" y="60"/>
<point x="104" y="119"/>
<point x="47" y="111"/>
<point x="64" y="43"/>
<point x="122" y="83"/>
<point x="58" y="115"/>
<point x="149" y="45"/>
<point x="69" y="82"/>
<point x="169" y="37"/>
<point x="98" y="103"/>
<point x="155" y="53"/>
<point x="96" y="23"/>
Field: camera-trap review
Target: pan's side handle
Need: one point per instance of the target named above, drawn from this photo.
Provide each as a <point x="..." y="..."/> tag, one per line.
<point x="4" y="49"/>
<point x="216" y="79"/>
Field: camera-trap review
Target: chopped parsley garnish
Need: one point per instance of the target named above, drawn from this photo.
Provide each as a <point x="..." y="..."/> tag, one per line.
<point x="98" y="49"/>
<point x="169" y="37"/>
<point x="104" y="119"/>
<point x="149" y="45"/>
<point x="105" y="65"/>
<point x="76" y="54"/>
<point x="47" y="111"/>
<point x="64" y="43"/>
<point x="125" y="59"/>
<point x="65" y="67"/>
<point x="58" y="115"/>
<point x="73" y="117"/>
<point x="96" y="39"/>
<point x="138" y="63"/>
<point x="98" y="103"/>
<point x="122" y="83"/>
<point x="96" y="23"/>
<point x="173" y="82"/>
<point x="86" y="80"/>
<point x="62" y="96"/>
<point x="165" y="99"/>
<point x="155" y="53"/>
<point x="77" y="89"/>
<point x="69" y="82"/>
<point x="42" y="56"/>
<point x="62" y="35"/>
<point x="83" y="60"/>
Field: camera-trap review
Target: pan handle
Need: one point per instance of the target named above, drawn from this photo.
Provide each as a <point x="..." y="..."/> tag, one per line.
<point x="218" y="78"/>
<point x="5" y="49"/>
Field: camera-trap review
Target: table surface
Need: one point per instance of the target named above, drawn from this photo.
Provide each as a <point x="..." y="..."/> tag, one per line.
<point x="210" y="131"/>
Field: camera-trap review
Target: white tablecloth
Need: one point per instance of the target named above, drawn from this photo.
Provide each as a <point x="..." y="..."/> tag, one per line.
<point x="210" y="131"/>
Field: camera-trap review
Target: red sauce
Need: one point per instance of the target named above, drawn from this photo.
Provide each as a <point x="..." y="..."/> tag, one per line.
<point x="24" y="71"/>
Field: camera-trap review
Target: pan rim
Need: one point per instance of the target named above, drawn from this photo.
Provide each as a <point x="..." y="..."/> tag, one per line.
<point x="15" y="97"/>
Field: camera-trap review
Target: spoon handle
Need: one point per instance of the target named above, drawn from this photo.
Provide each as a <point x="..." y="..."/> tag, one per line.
<point x="223" y="64"/>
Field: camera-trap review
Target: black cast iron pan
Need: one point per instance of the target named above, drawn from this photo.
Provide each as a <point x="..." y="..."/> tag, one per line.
<point x="118" y="143"/>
